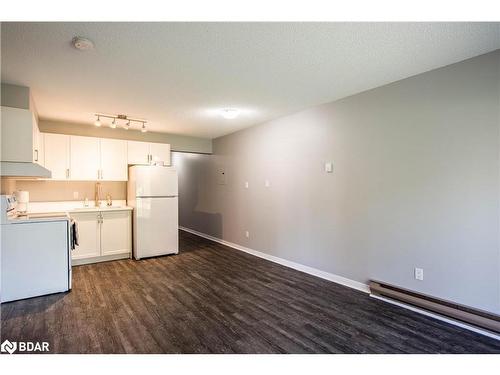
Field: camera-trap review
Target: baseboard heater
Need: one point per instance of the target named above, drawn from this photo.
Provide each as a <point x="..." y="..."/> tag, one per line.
<point x="478" y="318"/>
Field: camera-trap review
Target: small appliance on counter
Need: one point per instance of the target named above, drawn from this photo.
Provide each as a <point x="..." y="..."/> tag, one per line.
<point x="36" y="252"/>
<point x="23" y="200"/>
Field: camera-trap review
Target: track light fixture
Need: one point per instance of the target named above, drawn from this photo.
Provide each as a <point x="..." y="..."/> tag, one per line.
<point x="127" y="125"/>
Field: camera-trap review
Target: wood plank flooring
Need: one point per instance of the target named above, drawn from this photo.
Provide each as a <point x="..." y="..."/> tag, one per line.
<point x="213" y="299"/>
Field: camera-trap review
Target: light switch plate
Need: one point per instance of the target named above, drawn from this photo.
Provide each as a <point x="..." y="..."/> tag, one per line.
<point x="329" y="167"/>
<point x="246" y="185"/>
<point x="419" y="273"/>
<point x="267" y="183"/>
<point x="221" y="176"/>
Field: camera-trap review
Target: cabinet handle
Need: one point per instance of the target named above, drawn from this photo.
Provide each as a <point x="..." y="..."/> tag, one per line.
<point x="36" y="153"/>
<point x="67" y="172"/>
<point x="101" y="175"/>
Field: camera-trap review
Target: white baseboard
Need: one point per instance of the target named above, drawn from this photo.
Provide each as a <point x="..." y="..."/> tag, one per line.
<point x="297" y="266"/>
<point x="340" y="280"/>
<point x="438" y="317"/>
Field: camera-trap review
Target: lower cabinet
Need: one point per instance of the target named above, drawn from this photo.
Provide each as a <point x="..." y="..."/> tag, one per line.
<point x="102" y="236"/>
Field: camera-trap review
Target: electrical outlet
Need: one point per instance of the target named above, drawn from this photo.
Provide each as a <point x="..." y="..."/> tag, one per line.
<point x="329" y="167"/>
<point x="246" y="184"/>
<point x="75" y="195"/>
<point x="419" y="273"/>
<point x="247" y="234"/>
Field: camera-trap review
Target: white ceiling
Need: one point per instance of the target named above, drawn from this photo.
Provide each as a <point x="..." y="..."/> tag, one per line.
<point x="176" y="74"/>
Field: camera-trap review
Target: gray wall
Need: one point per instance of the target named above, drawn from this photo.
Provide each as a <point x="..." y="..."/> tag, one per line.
<point x="415" y="184"/>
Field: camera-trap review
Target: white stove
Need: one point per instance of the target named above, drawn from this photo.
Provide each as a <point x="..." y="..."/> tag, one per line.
<point x="36" y="255"/>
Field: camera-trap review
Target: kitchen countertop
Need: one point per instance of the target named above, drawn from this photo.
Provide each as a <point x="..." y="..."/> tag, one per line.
<point x="39" y="217"/>
<point x="72" y="207"/>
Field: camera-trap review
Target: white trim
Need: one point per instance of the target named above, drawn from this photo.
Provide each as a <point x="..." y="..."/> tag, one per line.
<point x="438" y="317"/>
<point x="287" y="263"/>
<point x="98" y="259"/>
<point x="341" y="280"/>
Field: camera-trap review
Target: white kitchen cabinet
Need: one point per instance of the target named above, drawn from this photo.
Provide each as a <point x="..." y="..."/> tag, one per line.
<point x="138" y="152"/>
<point x="113" y="154"/>
<point x="41" y="149"/>
<point x="148" y="153"/>
<point x="37" y="155"/>
<point x="160" y="153"/>
<point x="84" y="158"/>
<point x="57" y="155"/>
<point x="102" y="236"/>
<point x="19" y="136"/>
<point x="116" y="232"/>
<point x="88" y="235"/>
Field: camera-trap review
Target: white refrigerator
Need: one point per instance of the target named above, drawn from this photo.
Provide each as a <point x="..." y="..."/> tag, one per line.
<point x="152" y="192"/>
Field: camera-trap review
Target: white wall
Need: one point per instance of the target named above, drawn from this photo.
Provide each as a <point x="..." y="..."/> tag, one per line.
<point x="415" y="184"/>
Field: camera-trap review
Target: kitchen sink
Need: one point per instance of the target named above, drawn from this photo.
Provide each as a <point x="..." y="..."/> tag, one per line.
<point x="96" y="208"/>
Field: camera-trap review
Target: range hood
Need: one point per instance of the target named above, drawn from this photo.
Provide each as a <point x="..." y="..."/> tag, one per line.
<point x="20" y="169"/>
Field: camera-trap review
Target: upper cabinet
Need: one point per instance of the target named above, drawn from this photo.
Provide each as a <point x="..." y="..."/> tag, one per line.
<point x="113" y="160"/>
<point x="160" y="152"/>
<point x="84" y="158"/>
<point x="57" y="155"/>
<point x="78" y="158"/>
<point x="72" y="157"/>
<point x="148" y="153"/>
<point x="138" y="152"/>
<point x="20" y="136"/>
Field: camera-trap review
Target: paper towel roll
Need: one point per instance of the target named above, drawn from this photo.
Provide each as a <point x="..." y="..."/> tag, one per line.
<point x="23" y="196"/>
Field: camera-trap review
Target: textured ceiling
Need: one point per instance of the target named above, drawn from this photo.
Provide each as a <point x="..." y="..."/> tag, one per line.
<point x="176" y="74"/>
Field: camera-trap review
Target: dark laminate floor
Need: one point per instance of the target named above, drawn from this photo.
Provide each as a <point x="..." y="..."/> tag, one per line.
<point x="212" y="299"/>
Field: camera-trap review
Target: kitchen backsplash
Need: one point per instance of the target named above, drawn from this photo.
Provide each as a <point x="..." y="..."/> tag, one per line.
<point x="42" y="191"/>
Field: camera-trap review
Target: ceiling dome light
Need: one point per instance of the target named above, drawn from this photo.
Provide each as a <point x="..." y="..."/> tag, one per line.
<point x="82" y="44"/>
<point x="143" y="129"/>
<point x="113" y="124"/>
<point x="230" y="113"/>
<point x="98" y="122"/>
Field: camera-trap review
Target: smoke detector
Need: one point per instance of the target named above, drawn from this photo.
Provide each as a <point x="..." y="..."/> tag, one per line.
<point x="82" y="44"/>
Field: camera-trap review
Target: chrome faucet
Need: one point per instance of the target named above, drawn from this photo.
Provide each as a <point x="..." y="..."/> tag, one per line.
<point x="97" y="197"/>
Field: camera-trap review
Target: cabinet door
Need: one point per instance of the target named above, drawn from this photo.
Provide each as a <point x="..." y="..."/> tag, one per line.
<point x="160" y="152"/>
<point x="138" y="152"/>
<point x="84" y="158"/>
<point x="57" y="155"/>
<point x="41" y="149"/>
<point x="113" y="160"/>
<point x="36" y="143"/>
<point x="17" y="135"/>
<point x="88" y="235"/>
<point x="116" y="232"/>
